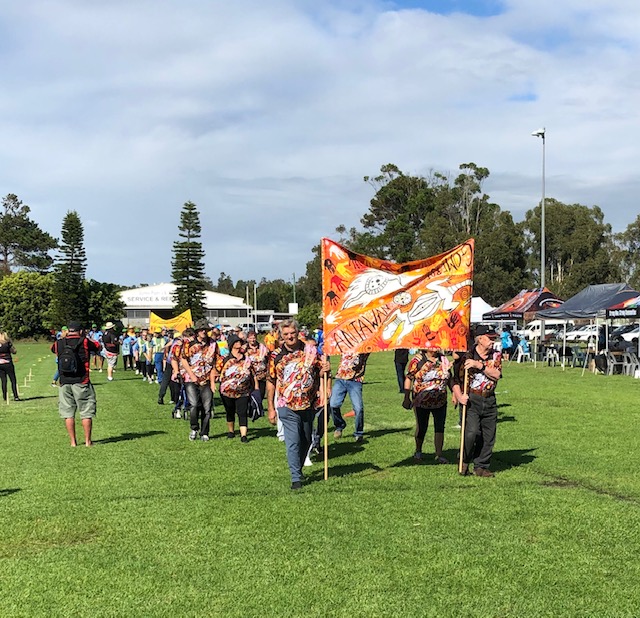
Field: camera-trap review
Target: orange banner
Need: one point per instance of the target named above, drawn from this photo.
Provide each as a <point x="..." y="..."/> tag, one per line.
<point x="370" y="305"/>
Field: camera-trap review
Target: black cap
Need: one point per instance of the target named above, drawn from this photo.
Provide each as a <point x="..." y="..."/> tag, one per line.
<point x="75" y="326"/>
<point x="485" y="329"/>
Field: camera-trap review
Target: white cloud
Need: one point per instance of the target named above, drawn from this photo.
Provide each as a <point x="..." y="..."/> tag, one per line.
<point x="268" y="115"/>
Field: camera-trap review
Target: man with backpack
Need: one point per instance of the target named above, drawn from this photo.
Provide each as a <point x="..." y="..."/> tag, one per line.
<point x="76" y="393"/>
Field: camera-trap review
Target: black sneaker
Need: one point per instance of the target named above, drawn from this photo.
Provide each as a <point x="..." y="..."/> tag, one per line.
<point x="230" y="435"/>
<point x="160" y="402"/>
<point x="244" y="439"/>
<point x="296" y="485"/>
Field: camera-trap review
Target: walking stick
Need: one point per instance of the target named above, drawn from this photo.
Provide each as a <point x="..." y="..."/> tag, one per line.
<point x="325" y="420"/>
<point x="464" y="421"/>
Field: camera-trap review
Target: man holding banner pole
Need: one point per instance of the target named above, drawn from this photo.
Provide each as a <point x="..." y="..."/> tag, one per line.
<point x="484" y="367"/>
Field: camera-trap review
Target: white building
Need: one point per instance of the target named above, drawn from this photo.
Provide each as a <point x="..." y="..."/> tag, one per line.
<point x="219" y="308"/>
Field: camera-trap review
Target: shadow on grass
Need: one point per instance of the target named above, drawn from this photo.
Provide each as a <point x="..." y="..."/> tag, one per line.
<point x="506" y="419"/>
<point x="429" y="459"/>
<point x="346" y="470"/>
<point x="503" y="460"/>
<point x="52" y="396"/>
<point x="253" y="432"/>
<point x="8" y="492"/>
<point x="129" y="436"/>
<point x="504" y="405"/>
<point x="345" y="447"/>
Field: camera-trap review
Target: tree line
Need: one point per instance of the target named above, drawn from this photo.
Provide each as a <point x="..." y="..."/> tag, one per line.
<point x="409" y="217"/>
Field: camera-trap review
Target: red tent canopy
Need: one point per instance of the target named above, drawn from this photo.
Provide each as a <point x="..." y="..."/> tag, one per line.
<point x="525" y="305"/>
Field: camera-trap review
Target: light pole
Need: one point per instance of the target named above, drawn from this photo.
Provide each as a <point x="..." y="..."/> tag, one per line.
<point x="542" y="133"/>
<point x="294" y="288"/>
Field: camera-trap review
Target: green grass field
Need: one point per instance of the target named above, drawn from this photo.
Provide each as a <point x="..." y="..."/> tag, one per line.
<point x="147" y="523"/>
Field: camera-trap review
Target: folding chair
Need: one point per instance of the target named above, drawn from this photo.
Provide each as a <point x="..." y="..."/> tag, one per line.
<point x="630" y="363"/>
<point x="613" y="363"/>
<point x="579" y="357"/>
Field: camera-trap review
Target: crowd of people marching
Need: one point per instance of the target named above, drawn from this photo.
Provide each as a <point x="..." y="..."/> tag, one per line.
<point x="290" y="370"/>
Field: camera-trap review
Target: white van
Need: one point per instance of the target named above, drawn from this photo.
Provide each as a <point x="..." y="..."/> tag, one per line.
<point x="532" y="329"/>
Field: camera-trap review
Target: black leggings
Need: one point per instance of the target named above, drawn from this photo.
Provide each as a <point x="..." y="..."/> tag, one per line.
<point x="7" y="369"/>
<point x="233" y="406"/>
<point x="422" y="420"/>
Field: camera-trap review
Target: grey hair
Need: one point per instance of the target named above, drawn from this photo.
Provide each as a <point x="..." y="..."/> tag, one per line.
<point x="289" y="323"/>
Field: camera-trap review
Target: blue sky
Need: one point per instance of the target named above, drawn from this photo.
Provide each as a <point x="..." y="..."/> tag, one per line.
<point x="478" y="8"/>
<point x="268" y="115"/>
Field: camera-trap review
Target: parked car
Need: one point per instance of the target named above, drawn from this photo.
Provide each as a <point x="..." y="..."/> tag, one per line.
<point x="632" y="335"/>
<point x="574" y="334"/>
<point x="532" y="330"/>
<point x="588" y="332"/>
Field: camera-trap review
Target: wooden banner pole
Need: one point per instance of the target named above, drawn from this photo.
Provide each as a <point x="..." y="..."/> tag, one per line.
<point x="464" y="421"/>
<point x="325" y="420"/>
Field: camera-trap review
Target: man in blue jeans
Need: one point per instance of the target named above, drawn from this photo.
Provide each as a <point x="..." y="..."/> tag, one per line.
<point x="293" y="380"/>
<point x="348" y="380"/>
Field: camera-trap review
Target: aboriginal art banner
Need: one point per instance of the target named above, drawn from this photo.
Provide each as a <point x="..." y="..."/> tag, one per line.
<point x="179" y="323"/>
<point x="371" y="305"/>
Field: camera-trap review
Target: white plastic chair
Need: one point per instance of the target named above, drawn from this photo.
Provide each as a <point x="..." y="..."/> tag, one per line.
<point x="630" y="363"/>
<point x="614" y="362"/>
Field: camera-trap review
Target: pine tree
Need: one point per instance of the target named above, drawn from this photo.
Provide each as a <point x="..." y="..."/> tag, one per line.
<point x="187" y="266"/>
<point x="69" y="292"/>
<point x="23" y="245"/>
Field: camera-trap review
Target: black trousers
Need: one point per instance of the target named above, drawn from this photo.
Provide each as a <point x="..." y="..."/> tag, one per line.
<point x="480" y="430"/>
<point x="400" y="367"/>
<point x="8" y="370"/>
<point x="233" y="406"/>
<point x="164" y="384"/>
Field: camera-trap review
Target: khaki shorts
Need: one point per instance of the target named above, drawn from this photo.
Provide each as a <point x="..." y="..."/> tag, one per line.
<point x="112" y="359"/>
<point x="77" y="397"/>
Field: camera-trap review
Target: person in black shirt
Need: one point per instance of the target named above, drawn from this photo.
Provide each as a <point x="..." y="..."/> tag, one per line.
<point x="7" y="368"/>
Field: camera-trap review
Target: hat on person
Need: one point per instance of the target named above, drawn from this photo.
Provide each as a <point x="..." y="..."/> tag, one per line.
<point x="109" y="325"/>
<point x="485" y="329"/>
<point x="201" y="325"/>
<point x="75" y="326"/>
<point x="94" y="326"/>
<point x="64" y="328"/>
<point x="231" y="340"/>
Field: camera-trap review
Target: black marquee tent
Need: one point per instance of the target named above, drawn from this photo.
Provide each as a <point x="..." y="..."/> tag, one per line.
<point x="590" y="303"/>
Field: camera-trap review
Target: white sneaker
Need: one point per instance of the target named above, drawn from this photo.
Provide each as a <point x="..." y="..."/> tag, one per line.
<point x="204" y="438"/>
<point x="193" y="435"/>
<point x="110" y="379"/>
<point x="177" y="415"/>
<point x="137" y="372"/>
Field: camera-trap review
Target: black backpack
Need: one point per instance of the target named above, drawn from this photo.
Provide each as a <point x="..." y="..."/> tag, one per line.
<point x="69" y="361"/>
